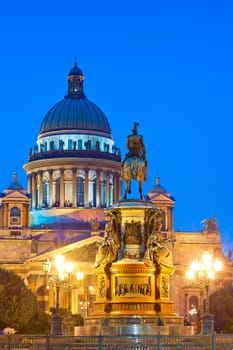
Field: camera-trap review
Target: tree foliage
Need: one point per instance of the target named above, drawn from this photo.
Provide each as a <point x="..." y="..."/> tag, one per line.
<point x="17" y="303"/>
<point x="40" y="323"/>
<point x="221" y="305"/>
<point x="77" y="319"/>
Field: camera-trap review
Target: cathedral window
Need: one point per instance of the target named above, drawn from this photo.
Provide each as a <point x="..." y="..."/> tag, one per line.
<point x="15" y="216"/>
<point x="45" y="194"/>
<point x="15" y="212"/>
<point x="51" y="145"/>
<point x="80" y="191"/>
<point x="80" y="144"/>
<point x="76" y="86"/>
<point x="70" y="144"/>
<point x="57" y="193"/>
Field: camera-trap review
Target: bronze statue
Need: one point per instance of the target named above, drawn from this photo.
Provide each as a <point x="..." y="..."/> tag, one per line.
<point x="107" y="252"/>
<point x="157" y="253"/>
<point x="134" y="165"/>
<point x="132" y="232"/>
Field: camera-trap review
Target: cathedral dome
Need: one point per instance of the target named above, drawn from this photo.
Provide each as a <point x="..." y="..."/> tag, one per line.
<point x="75" y="113"/>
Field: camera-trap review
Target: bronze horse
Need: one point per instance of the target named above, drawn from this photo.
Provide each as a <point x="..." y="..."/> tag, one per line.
<point x="133" y="168"/>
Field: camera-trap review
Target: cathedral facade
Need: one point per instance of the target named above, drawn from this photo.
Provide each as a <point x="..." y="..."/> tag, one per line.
<point x="73" y="175"/>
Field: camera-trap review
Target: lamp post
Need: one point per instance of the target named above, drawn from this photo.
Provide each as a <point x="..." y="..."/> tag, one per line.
<point x="203" y="272"/>
<point x="63" y="276"/>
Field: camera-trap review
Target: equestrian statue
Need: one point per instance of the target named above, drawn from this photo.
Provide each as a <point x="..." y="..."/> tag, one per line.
<point x="134" y="165"/>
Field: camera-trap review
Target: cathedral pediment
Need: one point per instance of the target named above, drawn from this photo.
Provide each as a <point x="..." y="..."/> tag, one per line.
<point x="15" y="195"/>
<point x="162" y="197"/>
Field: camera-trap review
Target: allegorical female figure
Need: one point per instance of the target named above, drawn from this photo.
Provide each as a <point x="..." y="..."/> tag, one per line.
<point x="108" y="249"/>
<point x="157" y="253"/>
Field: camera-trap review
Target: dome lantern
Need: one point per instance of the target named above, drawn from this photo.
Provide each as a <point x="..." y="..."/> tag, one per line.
<point x="75" y="113"/>
<point x="75" y="82"/>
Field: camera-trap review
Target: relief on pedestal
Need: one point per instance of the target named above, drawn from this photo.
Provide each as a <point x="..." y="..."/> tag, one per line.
<point x="101" y="285"/>
<point x="164" y="287"/>
<point x="127" y="286"/>
<point x="132" y="232"/>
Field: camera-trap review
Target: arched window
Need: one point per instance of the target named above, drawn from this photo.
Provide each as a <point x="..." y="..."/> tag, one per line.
<point x="103" y="194"/>
<point x="45" y="193"/>
<point x="80" y="191"/>
<point x="15" y="216"/>
<point x="51" y="146"/>
<point x="57" y="193"/>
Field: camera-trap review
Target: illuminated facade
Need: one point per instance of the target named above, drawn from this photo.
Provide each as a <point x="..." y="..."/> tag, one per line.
<point x="73" y="175"/>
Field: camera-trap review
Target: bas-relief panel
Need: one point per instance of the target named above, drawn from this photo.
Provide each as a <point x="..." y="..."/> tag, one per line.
<point x="132" y="286"/>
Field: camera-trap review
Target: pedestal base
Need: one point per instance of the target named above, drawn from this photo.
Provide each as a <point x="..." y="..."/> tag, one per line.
<point x="134" y="325"/>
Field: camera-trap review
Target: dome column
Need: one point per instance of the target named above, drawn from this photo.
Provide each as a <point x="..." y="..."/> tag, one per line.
<point x="107" y="190"/>
<point x="86" y="188"/>
<point x="98" y="190"/>
<point x="74" y="187"/>
<point x="41" y="189"/>
<point x="110" y="192"/>
<point x="115" y="186"/>
<point x="50" y="188"/>
<point x="33" y="193"/>
<point x="62" y="188"/>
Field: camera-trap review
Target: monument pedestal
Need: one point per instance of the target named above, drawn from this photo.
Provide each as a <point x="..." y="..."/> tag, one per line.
<point x="133" y="290"/>
<point x="134" y="325"/>
<point x="129" y="287"/>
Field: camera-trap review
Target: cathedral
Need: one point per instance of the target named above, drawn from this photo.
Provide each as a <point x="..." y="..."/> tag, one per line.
<point x="73" y="178"/>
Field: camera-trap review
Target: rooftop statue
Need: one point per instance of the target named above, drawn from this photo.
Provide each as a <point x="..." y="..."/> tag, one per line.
<point x="210" y="225"/>
<point x="134" y="165"/>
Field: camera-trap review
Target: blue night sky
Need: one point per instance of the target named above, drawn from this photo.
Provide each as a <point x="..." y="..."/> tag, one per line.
<point x="166" y="64"/>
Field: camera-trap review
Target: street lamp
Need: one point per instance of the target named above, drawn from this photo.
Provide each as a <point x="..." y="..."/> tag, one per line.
<point x="203" y="272"/>
<point x="63" y="276"/>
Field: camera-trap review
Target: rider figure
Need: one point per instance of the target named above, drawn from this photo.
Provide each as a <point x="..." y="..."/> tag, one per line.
<point x="135" y="144"/>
